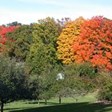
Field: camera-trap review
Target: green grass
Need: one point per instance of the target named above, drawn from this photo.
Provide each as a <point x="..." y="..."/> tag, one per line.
<point x="84" y="104"/>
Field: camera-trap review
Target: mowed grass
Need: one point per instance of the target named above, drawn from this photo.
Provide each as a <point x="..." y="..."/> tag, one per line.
<point x="84" y="104"/>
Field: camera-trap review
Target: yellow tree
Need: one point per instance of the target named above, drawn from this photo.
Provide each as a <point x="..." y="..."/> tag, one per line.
<point x="66" y="39"/>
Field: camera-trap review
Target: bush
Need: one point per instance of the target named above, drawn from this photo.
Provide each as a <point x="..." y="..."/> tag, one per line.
<point x="86" y="69"/>
<point x="83" y="69"/>
<point x="80" y="76"/>
<point x="105" y="91"/>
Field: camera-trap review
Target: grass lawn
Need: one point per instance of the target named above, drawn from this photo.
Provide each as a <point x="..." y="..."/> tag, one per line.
<point x="84" y="104"/>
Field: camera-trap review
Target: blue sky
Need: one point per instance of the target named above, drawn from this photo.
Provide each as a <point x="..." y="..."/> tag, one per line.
<point x="28" y="11"/>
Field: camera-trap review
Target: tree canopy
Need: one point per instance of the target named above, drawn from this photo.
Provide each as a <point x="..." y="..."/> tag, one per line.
<point x="65" y="41"/>
<point x="94" y="43"/>
<point x="22" y="39"/>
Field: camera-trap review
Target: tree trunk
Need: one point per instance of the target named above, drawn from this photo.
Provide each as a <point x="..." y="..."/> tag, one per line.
<point x="59" y="99"/>
<point x="2" y="105"/>
<point x="96" y="69"/>
<point x="38" y="101"/>
<point x="45" y="101"/>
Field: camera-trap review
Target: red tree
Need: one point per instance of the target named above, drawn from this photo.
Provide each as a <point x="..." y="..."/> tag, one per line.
<point x="3" y="35"/>
<point x="3" y="31"/>
<point x="94" y="43"/>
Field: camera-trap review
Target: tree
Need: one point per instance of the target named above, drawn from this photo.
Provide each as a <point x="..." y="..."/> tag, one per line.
<point x="66" y="39"/>
<point x="15" y="23"/>
<point x="40" y="67"/>
<point x="12" y="81"/>
<point x="3" y="36"/>
<point x="15" y="84"/>
<point x="46" y="82"/>
<point x="63" y="21"/>
<point x="43" y="49"/>
<point x="39" y="63"/>
<point x="22" y="39"/>
<point x="71" y="86"/>
<point x="94" y="43"/>
<point x="79" y="79"/>
<point x="105" y="87"/>
<point x="42" y="57"/>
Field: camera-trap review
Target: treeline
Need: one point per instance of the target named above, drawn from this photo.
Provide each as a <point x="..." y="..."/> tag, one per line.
<point x="56" y="58"/>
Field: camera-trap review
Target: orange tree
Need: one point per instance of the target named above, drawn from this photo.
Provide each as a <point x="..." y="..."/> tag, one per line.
<point x="94" y="44"/>
<point x="66" y="39"/>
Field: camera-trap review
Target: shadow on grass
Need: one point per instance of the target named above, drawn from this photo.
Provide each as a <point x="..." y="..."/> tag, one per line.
<point x="43" y="103"/>
<point x="74" y="107"/>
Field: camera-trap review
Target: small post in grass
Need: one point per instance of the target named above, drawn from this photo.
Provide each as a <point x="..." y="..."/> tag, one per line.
<point x="60" y="76"/>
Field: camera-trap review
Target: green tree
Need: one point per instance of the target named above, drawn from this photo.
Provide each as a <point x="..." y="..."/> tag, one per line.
<point x="78" y="80"/>
<point x="80" y="76"/>
<point x="42" y="59"/>
<point x="12" y="81"/>
<point x="105" y="87"/>
<point x="39" y="63"/>
<point x="45" y="35"/>
<point x="46" y="82"/>
<point x="21" y="40"/>
<point x="44" y="73"/>
<point x="15" y="23"/>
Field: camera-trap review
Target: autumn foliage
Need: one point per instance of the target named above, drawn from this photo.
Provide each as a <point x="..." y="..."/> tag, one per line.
<point x="80" y="41"/>
<point x="65" y="40"/>
<point x="3" y="31"/>
<point x="94" y="43"/>
<point x="3" y="35"/>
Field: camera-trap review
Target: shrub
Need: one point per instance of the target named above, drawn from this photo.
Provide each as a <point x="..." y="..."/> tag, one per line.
<point x="105" y="91"/>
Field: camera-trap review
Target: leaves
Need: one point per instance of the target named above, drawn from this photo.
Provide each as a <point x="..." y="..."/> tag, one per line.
<point x="3" y="35"/>
<point x="66" y="39"/>
<point x="94" y="43"/>
<point x="43" y="49"/>
<point x="22" y="38"/>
